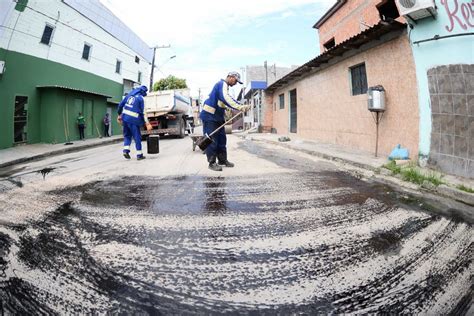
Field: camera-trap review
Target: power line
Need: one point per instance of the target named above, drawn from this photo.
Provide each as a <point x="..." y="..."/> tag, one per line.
<point x="79" y="31"/>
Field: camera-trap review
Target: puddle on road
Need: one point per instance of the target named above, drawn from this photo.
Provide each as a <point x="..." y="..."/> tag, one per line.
<point x="45" y="171"/>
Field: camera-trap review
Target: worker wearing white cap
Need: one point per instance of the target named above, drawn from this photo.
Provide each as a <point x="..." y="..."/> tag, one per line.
<point x="212" y="116"/>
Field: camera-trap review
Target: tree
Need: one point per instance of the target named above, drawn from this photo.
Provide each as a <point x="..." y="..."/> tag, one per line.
<point x="170" y="83"/>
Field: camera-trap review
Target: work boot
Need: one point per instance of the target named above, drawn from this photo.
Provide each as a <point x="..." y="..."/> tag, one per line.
<point x="126" y="155"/>
<point x="215" y="167"/>
<point x="226" y="163"/>
<point x="222" y="160"/>
<point x="212" y="163"/>
<point x="141" y="157"/>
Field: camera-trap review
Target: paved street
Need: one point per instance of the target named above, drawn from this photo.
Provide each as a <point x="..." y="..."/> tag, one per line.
<point x="282" y="232"/>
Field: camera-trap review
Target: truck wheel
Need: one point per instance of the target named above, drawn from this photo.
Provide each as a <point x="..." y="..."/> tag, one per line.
<point x="182" y="128"/>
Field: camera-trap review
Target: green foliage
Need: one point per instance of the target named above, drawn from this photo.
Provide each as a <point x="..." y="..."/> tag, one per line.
<point x="170" y="83"/>
<point x="392" y="166"/>
<point x="413" y="175"/>
<point x="462" y="187"/>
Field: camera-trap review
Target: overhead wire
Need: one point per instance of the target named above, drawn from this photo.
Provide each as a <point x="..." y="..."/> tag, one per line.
<point x="79" y="31"/>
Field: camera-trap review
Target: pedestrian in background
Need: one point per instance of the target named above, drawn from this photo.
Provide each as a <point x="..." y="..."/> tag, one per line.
<point x="212" y="116"/>
<point x="106" y="125"/>
<point x="81" y="124"/>
<point x="132" y="117"/>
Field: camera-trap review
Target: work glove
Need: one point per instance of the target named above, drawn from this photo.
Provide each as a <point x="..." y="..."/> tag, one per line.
<point x="119" y="119"/>
<point x="246" y="107"/>
<point x="148" y="127"/>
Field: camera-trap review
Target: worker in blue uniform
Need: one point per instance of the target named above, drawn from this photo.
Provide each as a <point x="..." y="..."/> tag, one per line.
<point x="132" y="117"/>
<point x="212" y="116"/>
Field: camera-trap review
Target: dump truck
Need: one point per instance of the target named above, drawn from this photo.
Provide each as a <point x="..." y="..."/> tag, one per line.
<point x="169" y="112"/>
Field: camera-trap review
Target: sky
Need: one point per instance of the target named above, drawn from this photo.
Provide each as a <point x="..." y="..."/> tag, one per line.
<point x="210" y="38"/>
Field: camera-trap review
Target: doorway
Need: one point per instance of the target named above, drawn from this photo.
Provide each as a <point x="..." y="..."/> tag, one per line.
<point x="293" y="112"/>
<point x="109" y="111"/>
<point x="20" y="120"/>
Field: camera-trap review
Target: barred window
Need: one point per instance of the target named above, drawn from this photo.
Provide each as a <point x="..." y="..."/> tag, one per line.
<point x="358" y="79"/>
<point x="86" y="51"/>
<point x="282" y="101"/>
<point x="118" y="66"/>
<point x="47" y="34"/>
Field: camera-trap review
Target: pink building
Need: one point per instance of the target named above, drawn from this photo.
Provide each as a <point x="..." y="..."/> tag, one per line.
<point x="364" y="44"/>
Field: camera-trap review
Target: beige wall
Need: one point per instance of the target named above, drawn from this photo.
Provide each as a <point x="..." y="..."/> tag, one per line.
<point x="328" y="112"/>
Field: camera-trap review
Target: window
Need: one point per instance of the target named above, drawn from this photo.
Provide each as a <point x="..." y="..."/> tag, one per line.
<point x="282" y="101"/>
<point x="47" y="34"/>
<point x="137" y="60"/>
<point x="388" y="10"/>
<point x="358" y="79"/>
<point x="118" y="66"/>
<point x="329" y="44"/>
<point x="86" y="51"/>
<point x="139" y="77"/>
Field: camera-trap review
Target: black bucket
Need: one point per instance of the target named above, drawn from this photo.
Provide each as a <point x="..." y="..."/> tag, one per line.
<point x="153" y="144"/>
<point x="204" y="142"/>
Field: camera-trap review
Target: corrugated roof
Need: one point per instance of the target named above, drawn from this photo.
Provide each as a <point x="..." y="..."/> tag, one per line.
<point x="352" y="43"/>
<point x="73" y="89"/>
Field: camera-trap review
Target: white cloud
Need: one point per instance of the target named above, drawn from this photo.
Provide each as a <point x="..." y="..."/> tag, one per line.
<point x="190" y="27"/>
<point x="189" y="22"/>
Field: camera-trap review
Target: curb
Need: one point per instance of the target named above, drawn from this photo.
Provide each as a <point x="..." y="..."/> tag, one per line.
<point x="59" y="152"/>
<point x="318" y="154"/>
<point x="442" y="190"/>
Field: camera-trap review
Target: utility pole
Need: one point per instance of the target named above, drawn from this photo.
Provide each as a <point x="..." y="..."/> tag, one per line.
<point x="153" y="63"/>
<point x="266" y="71"/>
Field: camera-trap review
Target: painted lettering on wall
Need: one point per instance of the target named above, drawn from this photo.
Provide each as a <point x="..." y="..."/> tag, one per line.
<point x="459" y="14"/>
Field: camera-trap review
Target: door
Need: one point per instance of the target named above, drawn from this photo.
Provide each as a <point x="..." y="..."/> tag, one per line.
<point x="89" y="116"/>
<point x="293" y="112"/>
<point x="20" y="119"/>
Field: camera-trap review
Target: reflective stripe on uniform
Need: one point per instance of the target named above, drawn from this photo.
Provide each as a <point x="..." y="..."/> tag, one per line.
<point x="221" y="104"/>
<point x="139" y="152"/>
<point x="128" y="112"/>
<point x="209" y="109"/>
<point x="126" y="147"/>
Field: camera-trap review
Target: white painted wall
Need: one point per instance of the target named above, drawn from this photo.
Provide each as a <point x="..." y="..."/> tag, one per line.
<point x="68" y="41"/>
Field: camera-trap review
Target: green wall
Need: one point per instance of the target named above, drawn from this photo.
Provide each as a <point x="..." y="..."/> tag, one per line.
<point x="45" y="106"/>
<point x="60" y="109"/>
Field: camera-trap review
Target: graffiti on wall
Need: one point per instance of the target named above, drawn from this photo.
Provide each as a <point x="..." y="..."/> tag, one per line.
<point x="459" y="13"/>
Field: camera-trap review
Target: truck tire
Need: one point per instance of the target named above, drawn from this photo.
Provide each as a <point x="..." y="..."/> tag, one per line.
<point x="182" y="128"/>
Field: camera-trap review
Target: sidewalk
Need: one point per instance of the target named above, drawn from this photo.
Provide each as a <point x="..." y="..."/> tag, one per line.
<point x="22" y="153"/>
<point x="367" y="160"/>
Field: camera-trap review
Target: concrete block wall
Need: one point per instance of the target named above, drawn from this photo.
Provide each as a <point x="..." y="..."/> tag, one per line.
<point x="327" y="111"/>
<point x="68" y="42"/>
<point x="257" y="73"/>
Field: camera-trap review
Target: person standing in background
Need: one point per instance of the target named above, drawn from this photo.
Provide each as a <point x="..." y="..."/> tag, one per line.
<point x="106" y="125"/>
<point x="81" y="124"/>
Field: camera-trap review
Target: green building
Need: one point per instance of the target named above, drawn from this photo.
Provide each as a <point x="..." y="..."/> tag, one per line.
<point x="59" y="59"/>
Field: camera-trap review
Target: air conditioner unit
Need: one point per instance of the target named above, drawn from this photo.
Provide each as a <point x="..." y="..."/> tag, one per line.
<point x="2" y="67"/>
<point x="416" y="9"/>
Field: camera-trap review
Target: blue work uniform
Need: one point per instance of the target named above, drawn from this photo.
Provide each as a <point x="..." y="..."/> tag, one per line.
<point x="133" y="118"/>
<point x="212" y="116"/>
